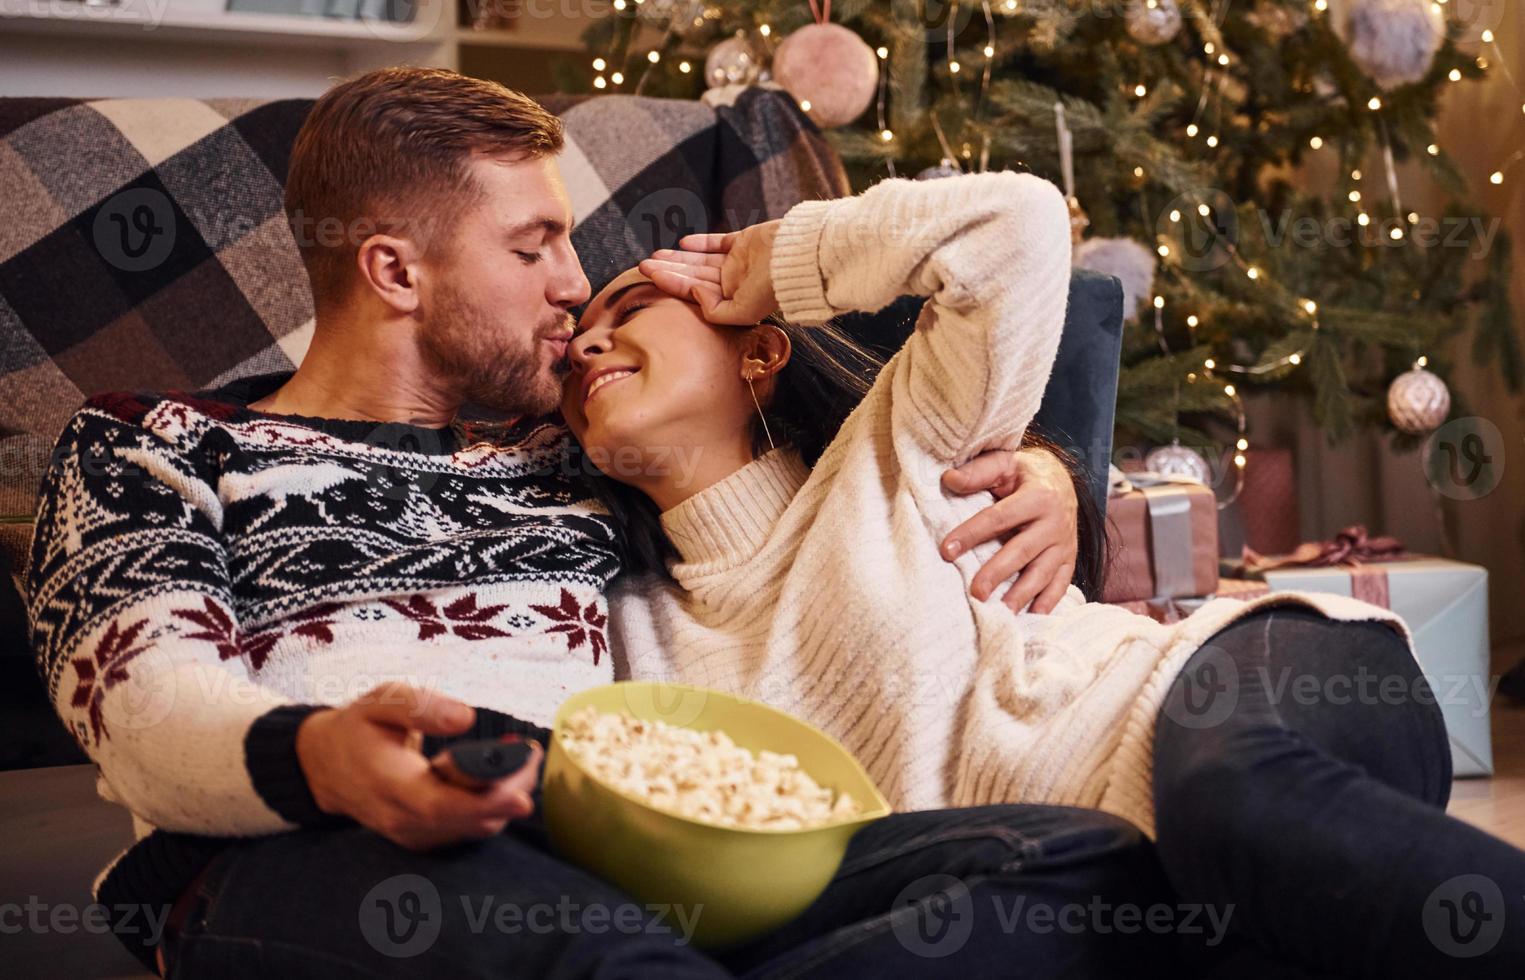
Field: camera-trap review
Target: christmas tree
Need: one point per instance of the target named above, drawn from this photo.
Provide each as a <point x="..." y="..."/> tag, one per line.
<point x="1240" y="164"/>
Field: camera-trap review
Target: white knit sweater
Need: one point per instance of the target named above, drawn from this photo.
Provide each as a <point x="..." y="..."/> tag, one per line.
<point x="823" y="592"/>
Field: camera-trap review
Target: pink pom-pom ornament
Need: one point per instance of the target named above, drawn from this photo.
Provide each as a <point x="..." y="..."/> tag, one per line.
<point x="829" y="68"/>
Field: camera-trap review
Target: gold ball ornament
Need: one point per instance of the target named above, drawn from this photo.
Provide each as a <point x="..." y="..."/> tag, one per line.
<point x="1079" y="220"/>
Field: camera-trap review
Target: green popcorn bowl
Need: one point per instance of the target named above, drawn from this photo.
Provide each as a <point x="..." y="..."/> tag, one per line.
<point x="738" y="883"/>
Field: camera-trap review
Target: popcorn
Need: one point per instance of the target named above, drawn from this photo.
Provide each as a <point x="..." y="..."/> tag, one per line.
<point x="701" y="775"/>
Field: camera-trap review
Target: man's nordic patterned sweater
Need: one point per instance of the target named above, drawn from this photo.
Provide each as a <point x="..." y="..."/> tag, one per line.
<point x="204" y="576"/>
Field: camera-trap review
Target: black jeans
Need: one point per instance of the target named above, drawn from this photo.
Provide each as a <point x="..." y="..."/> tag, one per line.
<point x="1301" y="776"/>
<point x="995" y="891"/>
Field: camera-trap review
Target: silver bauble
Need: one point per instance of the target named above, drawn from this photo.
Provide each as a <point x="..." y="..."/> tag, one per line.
<point x="732" y="62"/>
<point x="1176" y="460"/>
<point x="944" y="169"/>
<point x="1418" y="401"/>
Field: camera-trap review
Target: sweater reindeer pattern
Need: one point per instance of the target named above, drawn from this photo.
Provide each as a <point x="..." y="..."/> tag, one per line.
<point x="203" y="576"/>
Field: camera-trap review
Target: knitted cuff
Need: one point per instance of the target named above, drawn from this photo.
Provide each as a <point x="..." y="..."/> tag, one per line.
<point x="270" y="753"/>
<point x="796" y="265"/>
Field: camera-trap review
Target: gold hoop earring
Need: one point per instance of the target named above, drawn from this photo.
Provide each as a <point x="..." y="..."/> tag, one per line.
<point x="760" y="414"/>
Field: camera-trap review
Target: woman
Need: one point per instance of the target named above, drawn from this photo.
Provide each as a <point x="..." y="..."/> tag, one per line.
<point x="803" y="570"/>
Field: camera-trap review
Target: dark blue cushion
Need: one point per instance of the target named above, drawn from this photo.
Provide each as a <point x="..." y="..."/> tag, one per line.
<point x="1081" y="397"/>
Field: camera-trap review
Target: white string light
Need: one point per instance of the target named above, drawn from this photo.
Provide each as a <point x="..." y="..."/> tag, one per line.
<point x="1310" y="307"/>
<point x="1497" y="176"/>
<point x="980" y="97"/>
<point x="955" y="68"/>
<point x="680" y="12"/>
<point x="884" y="89"/>
<point x="1254" y="274"/>
<point x="1213" y="81"/>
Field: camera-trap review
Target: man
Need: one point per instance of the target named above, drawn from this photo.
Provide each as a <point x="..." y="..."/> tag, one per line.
<point x="255" y="605"/>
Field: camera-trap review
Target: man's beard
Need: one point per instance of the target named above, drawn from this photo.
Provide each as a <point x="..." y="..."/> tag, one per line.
<point x="460" y="342"/>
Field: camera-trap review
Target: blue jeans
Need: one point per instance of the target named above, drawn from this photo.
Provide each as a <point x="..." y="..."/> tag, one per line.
<point x="986" y="891"/>
<point x="1301" y="776"/>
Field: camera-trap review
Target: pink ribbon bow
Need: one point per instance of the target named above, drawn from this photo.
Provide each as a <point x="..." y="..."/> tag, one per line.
<point x="1352" y="548"/>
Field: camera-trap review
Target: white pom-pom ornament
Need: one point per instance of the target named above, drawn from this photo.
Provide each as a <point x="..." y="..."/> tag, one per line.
<point x="1152" y="21"/>
<point x="1394" y="41"/>
<point x="1130" y="261"/>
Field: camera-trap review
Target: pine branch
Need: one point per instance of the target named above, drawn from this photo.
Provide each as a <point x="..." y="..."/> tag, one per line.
<point x="1497" y="339"/>
<point x="1331" y="403"/>
<point x="1291" y="92"/>
<point x="1266" y="369"/>
<point x="908" y="66"/>
<point x="1405" y="330"/>
<point x="1201" y="18"/>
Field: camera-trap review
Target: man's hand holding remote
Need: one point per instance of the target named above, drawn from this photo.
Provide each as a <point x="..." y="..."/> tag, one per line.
<point x="362" y="760"/>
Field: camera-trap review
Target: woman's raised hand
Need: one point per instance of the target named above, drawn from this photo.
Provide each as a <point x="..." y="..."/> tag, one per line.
<point x="728" y="274"/>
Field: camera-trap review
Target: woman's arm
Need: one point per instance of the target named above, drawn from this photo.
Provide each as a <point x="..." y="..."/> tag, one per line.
<point x="910" y="230"/>
<point x="991" y="252"/>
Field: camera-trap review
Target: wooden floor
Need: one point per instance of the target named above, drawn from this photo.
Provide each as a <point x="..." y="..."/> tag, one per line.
<point x="1498" y="805"/>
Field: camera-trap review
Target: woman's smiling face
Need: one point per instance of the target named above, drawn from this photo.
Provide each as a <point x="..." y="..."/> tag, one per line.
<point x="649" y="375"/>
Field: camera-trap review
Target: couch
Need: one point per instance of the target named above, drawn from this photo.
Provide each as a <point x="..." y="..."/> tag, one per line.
<point x="146" y="248"/>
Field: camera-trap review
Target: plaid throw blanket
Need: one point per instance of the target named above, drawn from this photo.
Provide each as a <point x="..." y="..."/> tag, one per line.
<point x="145" y="246"/>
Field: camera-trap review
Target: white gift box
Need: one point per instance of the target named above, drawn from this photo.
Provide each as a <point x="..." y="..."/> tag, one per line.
<point x="1445" y="604"/>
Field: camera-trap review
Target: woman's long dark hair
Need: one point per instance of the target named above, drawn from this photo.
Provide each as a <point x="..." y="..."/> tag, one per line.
<point x="826" y="376"/>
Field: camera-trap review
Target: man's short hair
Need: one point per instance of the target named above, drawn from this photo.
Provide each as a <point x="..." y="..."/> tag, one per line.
<point x="388" y="152"/>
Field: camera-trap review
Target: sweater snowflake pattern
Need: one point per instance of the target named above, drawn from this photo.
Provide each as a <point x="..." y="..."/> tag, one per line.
<point x="203" y="576"/>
